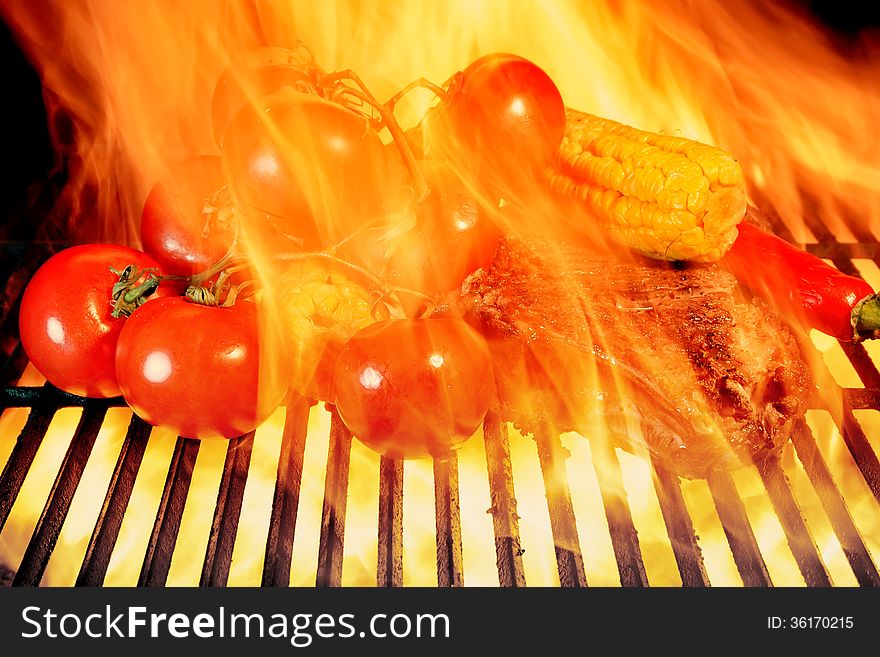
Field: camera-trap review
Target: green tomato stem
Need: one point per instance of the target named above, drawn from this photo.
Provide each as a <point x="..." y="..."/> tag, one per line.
<point x="128" y="294"/>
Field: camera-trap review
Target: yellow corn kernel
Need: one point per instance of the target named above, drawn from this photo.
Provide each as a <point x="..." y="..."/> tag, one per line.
<point x="666" y="197"/>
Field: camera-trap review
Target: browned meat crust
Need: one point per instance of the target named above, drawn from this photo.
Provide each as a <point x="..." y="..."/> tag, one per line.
<point x="671" y="358"/>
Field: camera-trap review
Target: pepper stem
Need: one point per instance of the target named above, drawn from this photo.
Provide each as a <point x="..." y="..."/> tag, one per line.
<point x="866" y="318"/>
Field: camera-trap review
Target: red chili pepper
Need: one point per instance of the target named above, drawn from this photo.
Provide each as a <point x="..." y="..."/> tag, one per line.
<point x="797" y="281"/>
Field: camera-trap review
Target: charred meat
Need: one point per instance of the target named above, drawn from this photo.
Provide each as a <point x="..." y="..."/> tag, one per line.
<point x="672" y="358"/>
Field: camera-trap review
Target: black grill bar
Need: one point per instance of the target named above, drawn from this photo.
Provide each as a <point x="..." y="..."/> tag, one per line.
<point x="800" y="541"/>
<point x="332" y="540"/>
<point x="563" y="524"/>
<point x="448" y="520"/>
<point x="735" y="522"/>
<point x="100" y="548"/>
<point x="389" y="563"/>
<point x="45" y="535"/>
<point x="841" y="521"/>
<point x="224" y="527"/>
<point x="25" y="396"/>
<point x="285" y="503"/>
<point x="624" y="538"/>
<point x="679" y="526"/>
<point x="861" y="233"/>
<point x="29" y="441"/>
<point x="14" y="365"/>
<point x="862" y="363"/>
<point x="157" y="562"/>
<point x="23" y="261"/>
<point x="861" y="451"/>
<point x="832" y="250"/>
<point x="505" y="520"/>
<point x="862" y="398"/>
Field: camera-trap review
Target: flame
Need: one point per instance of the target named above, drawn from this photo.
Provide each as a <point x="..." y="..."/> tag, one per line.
<point x="129" y="89"/>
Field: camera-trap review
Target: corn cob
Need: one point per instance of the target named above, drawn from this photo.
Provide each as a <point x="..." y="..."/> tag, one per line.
<point x="323" y="302"/>
<point x="669" y="198"/>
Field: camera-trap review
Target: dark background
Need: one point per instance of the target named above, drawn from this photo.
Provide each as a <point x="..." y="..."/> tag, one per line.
<point x="27" y="175"/>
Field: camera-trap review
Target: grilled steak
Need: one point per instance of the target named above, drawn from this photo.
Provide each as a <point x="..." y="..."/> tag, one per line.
<point x="671" y="358"/>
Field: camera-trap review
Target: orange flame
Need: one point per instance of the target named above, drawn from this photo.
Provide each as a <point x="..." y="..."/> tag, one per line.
<point x="136" y="80"/>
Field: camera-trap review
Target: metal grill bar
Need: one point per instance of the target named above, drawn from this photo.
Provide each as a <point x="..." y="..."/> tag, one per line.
<point x="801" y="542"/>
<point x="810" y="217"/>
<point x="45" y="535"/>
<point x="562" y="520"/>
<point x="862" y="363"/>
<point x="861" y="451"/>
<point x="853" y="436"/>
<point x="157" y="561"/>
<point x="448" y="519"/>
<point x="224" y="527"/>
<point x="29" y="441"/>
<point x="282" y="522"/>
<point x="25" y="396"/>
<point x="332" y="541"/>
<point x="732" y="514"/>
<point x="100" y="548"/>
<point x="841" y="521"/>
<point x="389" y="565"/>
<point x="831" y="250"/>
<point x="679" y="526"/>
<point x="624" y="538"/>
<point x="505" y="520"/>
<point x="861" y="398"/>
<point x="14" y="365"/>
<point x="23" y="261"/>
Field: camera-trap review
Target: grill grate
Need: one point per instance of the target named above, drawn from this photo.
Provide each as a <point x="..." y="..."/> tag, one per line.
<point x="21" y="260"/>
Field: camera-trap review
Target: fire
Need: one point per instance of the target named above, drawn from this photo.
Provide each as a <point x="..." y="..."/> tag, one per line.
<point x="136" y="82"/>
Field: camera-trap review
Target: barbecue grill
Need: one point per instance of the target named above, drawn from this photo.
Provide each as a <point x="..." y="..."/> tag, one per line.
<point x="572" y="549"/>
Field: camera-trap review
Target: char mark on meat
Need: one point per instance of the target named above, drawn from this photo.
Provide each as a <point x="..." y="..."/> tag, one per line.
<point x="672" y="358"/>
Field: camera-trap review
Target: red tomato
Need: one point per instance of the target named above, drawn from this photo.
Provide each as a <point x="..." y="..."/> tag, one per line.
<point x="305" y="168"/>
<point x="506" y="117"/>
<point x="200" y="371"/>
<point x="414" y="388"/>
<point x="173" y="219"/>
<point x="66" y="327"/>
<point x="452" y="237"/>
<point x="254" y="75"/>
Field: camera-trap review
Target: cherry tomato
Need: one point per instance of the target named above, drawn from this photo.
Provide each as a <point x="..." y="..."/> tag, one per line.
<point x="513" y="109"/>
<point x="175" y="228"/>
<point x="453" y="237"/>
<point x="200" y="371"/>
<point x="65" y="321"/>
<point x="414" y="388"/>
<point x="252" y="76"/>
<point x="304" y="168"/>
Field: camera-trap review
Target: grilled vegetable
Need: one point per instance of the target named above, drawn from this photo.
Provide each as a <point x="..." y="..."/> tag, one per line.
<point x="200" y="371"/>
<point x="323" y="302"/>
<point x="411" y="388"/>
<point x="825" y="298"/>
<point x="666" y="197"/>
<point x="72" y="309"/>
